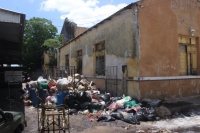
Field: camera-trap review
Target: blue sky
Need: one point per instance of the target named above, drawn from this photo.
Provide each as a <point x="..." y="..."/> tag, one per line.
<point x="85" y="13"/>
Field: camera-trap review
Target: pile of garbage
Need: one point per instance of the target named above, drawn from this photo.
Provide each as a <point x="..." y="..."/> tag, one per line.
<point x="83" y="97"/>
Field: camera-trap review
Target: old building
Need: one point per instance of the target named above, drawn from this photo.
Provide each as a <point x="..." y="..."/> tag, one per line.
<point x="70" y="30"/>
<point x="148" y="49"/>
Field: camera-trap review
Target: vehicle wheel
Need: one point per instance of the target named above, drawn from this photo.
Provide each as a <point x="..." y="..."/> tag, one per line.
<point x="18" y="130"/>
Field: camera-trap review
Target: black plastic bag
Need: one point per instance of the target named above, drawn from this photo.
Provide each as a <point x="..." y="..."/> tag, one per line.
<point x="97" y="106"/>
<point x="117" y="115"/>
<point x="114" y="99"/>
<point x="146" y="114"/>
<point x="76" y="106"/>
<point x="72" y="111"/>
<point x="70" y="100"/>
<point x="83" y="96"/>
<point x="106" y="118"/>
<point x="151" y="103"/>
<point x="130" y="118"/>
<point x="105" y="97"/>
<point x="141" y="114"/>
<point x="85" y="105"/>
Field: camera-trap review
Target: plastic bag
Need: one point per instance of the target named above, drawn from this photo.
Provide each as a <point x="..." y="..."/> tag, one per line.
<point x="125" y="99"/>
<point x="129" y="118"/>
<point x="117" y="115"/>
<point x="41" y="80"/>
<point x="83" y="96"/>
<point x="63" y="84"/>
<point x="130" y="104"/>
<point x="104" y="97"/>
<point x="151" y="103"/>
<point x="70" y="100"/>
<point x="106" y="118"/>
<point x="33" y="84"/>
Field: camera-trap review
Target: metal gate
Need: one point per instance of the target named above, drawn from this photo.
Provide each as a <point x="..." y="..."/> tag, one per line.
<point x="59" y="72"/>
<point x="111" y="80"/>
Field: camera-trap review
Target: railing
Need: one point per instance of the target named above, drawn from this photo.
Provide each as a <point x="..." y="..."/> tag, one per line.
<point x="59" y="72"/>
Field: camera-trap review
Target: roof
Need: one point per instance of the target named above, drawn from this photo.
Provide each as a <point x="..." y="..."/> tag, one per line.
<point x="118" y="12"/>
<point x="11" y="36"/>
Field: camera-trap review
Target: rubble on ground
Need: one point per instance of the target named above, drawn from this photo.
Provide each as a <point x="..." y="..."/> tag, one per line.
<point x="83" y="97"/>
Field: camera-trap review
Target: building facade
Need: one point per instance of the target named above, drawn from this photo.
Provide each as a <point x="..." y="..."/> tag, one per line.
<point x="149" y="49"/>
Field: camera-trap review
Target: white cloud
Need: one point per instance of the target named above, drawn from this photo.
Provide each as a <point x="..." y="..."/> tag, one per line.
<point x="84" y="13"/>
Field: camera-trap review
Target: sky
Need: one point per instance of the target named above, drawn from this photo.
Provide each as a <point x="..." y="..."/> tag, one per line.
<point x="85" y="13"/>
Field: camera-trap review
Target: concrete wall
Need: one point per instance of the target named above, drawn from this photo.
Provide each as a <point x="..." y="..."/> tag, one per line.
<point x="160" y="24"/>
<point x="121" y="46"/>
<point x="170" y="89"/>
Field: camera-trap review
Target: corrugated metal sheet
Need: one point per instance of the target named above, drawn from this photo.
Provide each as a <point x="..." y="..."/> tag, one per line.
<point x="9" y="16"/>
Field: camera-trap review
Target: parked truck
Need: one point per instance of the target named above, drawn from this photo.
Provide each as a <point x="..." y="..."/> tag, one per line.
<point x="11" y="41"/>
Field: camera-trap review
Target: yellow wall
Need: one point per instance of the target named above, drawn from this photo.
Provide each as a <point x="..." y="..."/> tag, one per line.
<point x="120" y="49"/>
<point x="120" y="46"/>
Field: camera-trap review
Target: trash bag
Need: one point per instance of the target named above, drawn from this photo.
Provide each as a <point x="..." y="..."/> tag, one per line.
<point x="129" y="118"/>
<point x="97" y="106"/>
<point x="115" y="106"/>
<point x="106" y="118"/>
<point x="76" y="106"/>
<point x="70" y="100"/>
<point x="33" y="84"/>
<point x="151" y="117"/>
<point x="63" y="84"/>
<point x="130" y="104"/>
<point x="41" y="80"/>
<point x="107" y="104"/>
<point x="83" y="97"/>
<point x="114" y="99"/>
<point x="104" y="97"/>
<point x="121" y="110"/>
<point x="123" y="100"/>
<point x="146" y="114"/>
<point x="117" y="115"/>
<point x="72" y="111"/>
<point x="85" y="105"/>
<point x="141" y="114"/>
<point x="151" y="103"/>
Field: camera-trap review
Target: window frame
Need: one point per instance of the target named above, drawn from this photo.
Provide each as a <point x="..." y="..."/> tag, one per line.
<point x="67" y="60"/>
<point x="100" y="58"/>
<point x="189" y="51"/>
<point x="79" y="61"/>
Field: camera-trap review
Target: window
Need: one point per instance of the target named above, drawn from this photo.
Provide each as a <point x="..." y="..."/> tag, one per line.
<point x="66" y="60"/>
<point x="100" y="65"/>
<point x="100" y="58"/>
<point x="79" y="61"/>
<point x="188" y="56"/>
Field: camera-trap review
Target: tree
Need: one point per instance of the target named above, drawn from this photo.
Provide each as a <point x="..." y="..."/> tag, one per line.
<point x="51" y="45"/>
<point x="36" y="31"/>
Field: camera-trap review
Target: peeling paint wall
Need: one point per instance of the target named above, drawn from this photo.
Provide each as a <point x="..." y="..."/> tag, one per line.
<point x="121" y="47"/>
<point x="170" y="89"/>
<point x="160" y="24"/>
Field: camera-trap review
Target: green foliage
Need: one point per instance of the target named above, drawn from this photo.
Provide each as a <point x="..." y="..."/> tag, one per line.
<point x="52" y="43"/>
<point x="36" y="31"/>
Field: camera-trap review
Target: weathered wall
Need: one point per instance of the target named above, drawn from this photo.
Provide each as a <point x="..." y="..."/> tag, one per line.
<point x="170" y="89"/>
<point x="80" y="30"/>
<point x="160" y="24"/>
<point x="121" y="46"/>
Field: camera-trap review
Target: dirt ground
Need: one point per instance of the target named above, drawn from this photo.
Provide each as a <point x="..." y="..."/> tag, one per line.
<point x="82" y="124"/>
